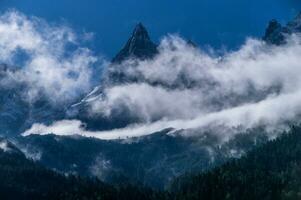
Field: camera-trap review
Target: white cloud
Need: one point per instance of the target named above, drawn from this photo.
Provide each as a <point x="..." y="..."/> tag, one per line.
<point x="76" y="127"/>
<point x="271" y="112"/>
<point x="49" y="58"/>
<point x="101" y="167"/>
<point x="187" y="88"/>
<point x="211" y="83"/>
<point x="4" y="146"/>
<point x="150" y="102"/>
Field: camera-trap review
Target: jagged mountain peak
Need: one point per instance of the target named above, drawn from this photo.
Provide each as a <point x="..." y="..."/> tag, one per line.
<point x="139" y="45"/>
<point x="274" y="24"/>
<point x="276" y="33"/>
<point x="295" y="24"/>
<point x="298" y="17"/>
<point x="139" y="31"/>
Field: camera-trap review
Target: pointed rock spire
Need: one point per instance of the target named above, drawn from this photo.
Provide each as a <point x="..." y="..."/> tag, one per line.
<point x="274" y="33"/>
<point x="139" y="45"/>
<point x="295" y="24"/>
<point x="191" y="43"/>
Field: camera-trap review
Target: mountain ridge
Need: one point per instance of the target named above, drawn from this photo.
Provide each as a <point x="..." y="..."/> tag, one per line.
<point x="139" y="45"/>
<point x="277" y="34"/>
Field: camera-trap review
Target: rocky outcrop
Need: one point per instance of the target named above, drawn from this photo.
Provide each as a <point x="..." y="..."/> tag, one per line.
<point x="139" y="45"/>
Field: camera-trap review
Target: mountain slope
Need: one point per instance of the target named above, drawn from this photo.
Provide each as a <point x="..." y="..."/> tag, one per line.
<point x="138" y="46"/>
<point x="152" y="160"/>
<point x="268" y="172"/>
<point x="277" y="34"/>
<point x="24" y="179"/>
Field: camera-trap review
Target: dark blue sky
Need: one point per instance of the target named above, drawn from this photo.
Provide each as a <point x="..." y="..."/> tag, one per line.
<point x="207" y="22"/>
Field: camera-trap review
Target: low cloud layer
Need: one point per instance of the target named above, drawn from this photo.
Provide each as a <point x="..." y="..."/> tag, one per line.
<point x="183" y="82"/>
<point x="186" y="88"/>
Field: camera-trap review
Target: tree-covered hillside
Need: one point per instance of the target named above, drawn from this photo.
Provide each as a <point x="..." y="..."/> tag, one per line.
<point x="271" y="171"/>
<point x="25" y="179"/>
<point x="153" y="160"/>
<point x="268" y="172"/>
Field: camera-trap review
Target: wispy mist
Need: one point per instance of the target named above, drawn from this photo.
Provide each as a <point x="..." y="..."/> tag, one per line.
<point x="184" y="87"/>
<point x="46" y="59"/>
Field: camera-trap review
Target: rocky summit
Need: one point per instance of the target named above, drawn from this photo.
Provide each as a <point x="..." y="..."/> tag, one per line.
<point x="139" y="45"/>
<point x="276" y="33"/>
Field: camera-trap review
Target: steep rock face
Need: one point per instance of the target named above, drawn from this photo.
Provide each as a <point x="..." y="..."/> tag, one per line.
<point x="295" y="24"/>
<point x="139" y="45"/>
<point x="276" y="33"/>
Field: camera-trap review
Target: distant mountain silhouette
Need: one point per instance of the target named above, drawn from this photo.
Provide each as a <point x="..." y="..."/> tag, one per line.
<point x="276" y="33"/>
<point x="22" y="178"/>
<point x="139" y="45"/>
<point x="153" y="160"/>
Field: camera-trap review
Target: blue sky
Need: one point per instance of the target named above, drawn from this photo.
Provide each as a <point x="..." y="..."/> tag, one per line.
<point x="207" y="22"/>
